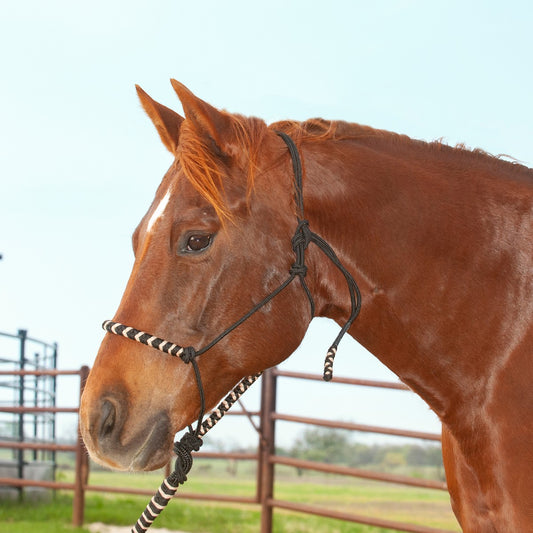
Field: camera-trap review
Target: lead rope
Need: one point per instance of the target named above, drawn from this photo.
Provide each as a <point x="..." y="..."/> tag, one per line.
<point x="191" y="441"/>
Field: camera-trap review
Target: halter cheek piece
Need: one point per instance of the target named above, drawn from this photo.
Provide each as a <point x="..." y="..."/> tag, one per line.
<point x="192" y="441"/>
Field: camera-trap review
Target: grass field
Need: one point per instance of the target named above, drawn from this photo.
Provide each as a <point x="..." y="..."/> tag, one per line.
<point x="419" y="506"/>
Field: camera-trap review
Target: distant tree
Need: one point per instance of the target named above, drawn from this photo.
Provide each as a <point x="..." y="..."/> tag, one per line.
<point x="393" y="459"/>
<point x="335" y="446"/>
<point x="364" y="454"/>
<point x="323" y="445"/>
<point x="417" y="455"/>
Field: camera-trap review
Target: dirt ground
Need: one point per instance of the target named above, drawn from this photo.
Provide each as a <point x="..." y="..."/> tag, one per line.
<point x="98" y="527"/>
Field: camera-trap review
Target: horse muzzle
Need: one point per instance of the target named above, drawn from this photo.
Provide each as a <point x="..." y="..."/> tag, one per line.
<point x="114" y="439"/>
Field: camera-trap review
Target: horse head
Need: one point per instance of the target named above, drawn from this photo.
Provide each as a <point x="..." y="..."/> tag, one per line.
<point x="215" y="240"/>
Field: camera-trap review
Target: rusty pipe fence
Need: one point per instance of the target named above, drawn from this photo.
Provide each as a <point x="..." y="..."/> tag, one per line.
<point x="265" y="457"/>
<point x="22" y="352"/>
<point x="268" y="458"/>
<point x="81" y="461"/>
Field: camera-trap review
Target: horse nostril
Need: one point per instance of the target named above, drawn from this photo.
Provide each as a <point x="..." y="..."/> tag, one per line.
<point x="108" y="419"/>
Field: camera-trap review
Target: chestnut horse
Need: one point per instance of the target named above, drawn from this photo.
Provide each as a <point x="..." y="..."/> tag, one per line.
<point x="439" y="240"/>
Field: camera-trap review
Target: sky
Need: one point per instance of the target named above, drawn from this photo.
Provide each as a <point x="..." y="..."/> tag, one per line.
<point x="80" y="162"/>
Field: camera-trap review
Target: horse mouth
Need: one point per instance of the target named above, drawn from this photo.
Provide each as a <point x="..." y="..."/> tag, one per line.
<point x="148" y="449"/>
<point x="154" y="451"/>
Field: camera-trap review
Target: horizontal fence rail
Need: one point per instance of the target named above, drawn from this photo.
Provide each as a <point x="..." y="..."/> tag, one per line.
<point x="358" y="472"/>
<point x="336" y="424"/>
<point x="47" y="446"/>
<point x="339" y="379"/>
<point x="39" y="372"/>
<point x="348" y="517"/>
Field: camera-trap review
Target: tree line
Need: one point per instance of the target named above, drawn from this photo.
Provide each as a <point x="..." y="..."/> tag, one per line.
<point x="336" y="446"/>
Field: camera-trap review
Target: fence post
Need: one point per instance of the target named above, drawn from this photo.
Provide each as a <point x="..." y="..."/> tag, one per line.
<point x="36" y="420"/>
<point x="267" y="449"/>
<point x="82" y="465"/>
<point x="22" y="334"/>
<point x="54" y="402"/>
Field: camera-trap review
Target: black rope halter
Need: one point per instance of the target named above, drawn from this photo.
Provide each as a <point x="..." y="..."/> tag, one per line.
<point x="192" y="440"/>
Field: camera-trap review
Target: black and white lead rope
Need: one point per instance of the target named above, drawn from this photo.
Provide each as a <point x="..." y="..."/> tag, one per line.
<point x="189" y="442"/>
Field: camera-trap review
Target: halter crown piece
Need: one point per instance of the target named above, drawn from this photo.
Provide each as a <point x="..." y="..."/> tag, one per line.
<point x="192" y="441"/>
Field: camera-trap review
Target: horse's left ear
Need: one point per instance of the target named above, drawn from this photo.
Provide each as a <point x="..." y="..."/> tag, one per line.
<point x="217" y="125"/>
<point x="166" y="121"/>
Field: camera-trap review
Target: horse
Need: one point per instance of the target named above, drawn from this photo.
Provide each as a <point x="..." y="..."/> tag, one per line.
<point x="439" y="239"/>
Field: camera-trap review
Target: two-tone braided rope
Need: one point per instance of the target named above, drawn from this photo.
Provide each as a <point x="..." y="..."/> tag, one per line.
<point x="170" y="485"/>
<point x="328" y="363"/>
<point x="144" y="338"/>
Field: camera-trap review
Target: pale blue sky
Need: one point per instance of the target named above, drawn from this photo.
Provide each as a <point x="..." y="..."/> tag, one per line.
<point x="80" y="162"/>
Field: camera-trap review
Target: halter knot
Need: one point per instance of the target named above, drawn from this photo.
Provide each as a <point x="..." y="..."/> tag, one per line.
<point x="188" y="354"/>
<point x="302" y="236"/>
<point x="183" y="448"/>
<point x="298" y="270"/>
<point x="300" y="241"/>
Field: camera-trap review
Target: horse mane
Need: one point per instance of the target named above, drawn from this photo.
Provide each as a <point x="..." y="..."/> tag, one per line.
<point x="200" y="158"/>
<point x="318" y="129"/>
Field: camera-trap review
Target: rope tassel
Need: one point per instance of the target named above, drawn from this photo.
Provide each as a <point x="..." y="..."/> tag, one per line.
<point x="328" y="363"/>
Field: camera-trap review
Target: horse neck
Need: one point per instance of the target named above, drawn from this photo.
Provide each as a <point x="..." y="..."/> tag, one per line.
<point x="408" y="224"/>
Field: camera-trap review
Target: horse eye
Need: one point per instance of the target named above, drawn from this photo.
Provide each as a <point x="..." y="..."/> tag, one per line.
<point x="197" y="243"/>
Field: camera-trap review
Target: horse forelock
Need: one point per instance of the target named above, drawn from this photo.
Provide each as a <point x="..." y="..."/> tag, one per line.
<point x="201" y="159"/>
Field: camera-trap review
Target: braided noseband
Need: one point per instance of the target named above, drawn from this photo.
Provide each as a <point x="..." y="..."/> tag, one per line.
<point x="192" y="440"/>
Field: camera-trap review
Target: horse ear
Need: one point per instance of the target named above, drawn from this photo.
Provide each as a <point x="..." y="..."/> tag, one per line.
<point x="209" y="121"/>
<point x="166" y="121"/>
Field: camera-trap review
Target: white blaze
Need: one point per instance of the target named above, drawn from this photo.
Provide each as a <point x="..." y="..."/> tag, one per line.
<point x="156" y="215"/>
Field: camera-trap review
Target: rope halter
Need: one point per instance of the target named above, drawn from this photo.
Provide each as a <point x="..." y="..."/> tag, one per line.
<point x="192" y="440"/>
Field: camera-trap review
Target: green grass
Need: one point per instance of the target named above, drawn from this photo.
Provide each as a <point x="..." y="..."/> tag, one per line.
<point x="421" y="506"/>
<point x="193" y="517"/>
<point x="43" y="517"/>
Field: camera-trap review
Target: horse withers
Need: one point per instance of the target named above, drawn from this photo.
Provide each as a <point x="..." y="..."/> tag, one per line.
<point x="439" y="240"/>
